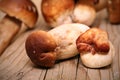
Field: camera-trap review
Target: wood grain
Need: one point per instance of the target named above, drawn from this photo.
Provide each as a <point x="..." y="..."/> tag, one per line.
<point x="15" y="64"/>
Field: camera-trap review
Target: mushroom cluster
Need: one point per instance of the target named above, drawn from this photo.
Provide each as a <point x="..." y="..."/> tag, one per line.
<point x="68" y="40"/>
<point x="71" y="35"/>
<point x="73" y="11"/>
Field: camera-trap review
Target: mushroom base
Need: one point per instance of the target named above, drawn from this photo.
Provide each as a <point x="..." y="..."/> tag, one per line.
<point x="98" y="60"/>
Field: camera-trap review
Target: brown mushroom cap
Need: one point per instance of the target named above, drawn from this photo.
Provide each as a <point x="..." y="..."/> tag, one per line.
<point x="57" y="12"/>
<point x="40" y="48"/>
<point x="93" y="40"/>
<point x="23" y="10"/>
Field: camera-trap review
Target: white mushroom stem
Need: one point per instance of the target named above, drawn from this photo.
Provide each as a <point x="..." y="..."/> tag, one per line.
<point x="84" y="14"/>
<point x="8" y="28"/>
<point x="65" y="36"/>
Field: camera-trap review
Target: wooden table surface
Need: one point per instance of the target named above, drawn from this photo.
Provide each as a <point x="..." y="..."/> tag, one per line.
<point x="15" y="64"/>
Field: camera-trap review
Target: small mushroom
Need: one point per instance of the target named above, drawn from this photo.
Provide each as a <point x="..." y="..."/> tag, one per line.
<point x="18" y="11"/>
<point x="95" y="49"/>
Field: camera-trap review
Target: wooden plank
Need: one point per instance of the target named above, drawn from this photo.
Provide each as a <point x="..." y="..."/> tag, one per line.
<point x="65" y="70"/>
<point x="106" y="73"/>
<point x="113" y="32"/>
<point x="115" y="38"/>
<point x="115" y="65"/>
<point x="81" y="72"/>
<point x="119" y="57"/>
<point x="94" y="74"/>
<point x="12" y="59"/>
<point x="35" y="73"/>
<point x="111" y="76"/>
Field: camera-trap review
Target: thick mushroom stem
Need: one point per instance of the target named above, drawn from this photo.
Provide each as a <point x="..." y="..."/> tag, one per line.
<point x="9" y="26"/>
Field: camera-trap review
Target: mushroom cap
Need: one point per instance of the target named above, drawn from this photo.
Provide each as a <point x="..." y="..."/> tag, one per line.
<point x="24" y="10"/>
<point x="57" y="12"/>
<point x="40" y="48"/>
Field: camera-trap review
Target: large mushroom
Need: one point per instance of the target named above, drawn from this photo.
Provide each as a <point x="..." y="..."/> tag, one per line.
<point x="44" y="48"/>
<point x="17" y="11"/>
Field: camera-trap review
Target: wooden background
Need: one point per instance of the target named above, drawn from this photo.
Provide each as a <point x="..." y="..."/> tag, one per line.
<point x="15" y="64"/>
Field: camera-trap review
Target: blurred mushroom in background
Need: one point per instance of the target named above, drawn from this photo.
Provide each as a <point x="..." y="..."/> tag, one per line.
<point x="17" y="12"/>
<point x="57" y="12"/>
<point x="114" y="11"/>
<point x="73" y="11"/>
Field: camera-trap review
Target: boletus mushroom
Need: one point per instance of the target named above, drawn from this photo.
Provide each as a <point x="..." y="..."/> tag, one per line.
<point x="57" y="12"/>
<point x="17" y="12"/>
<point x="45" y="48"/>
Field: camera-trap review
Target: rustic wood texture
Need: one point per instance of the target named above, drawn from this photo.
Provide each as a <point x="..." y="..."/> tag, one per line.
<point x="15" y="64"/>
